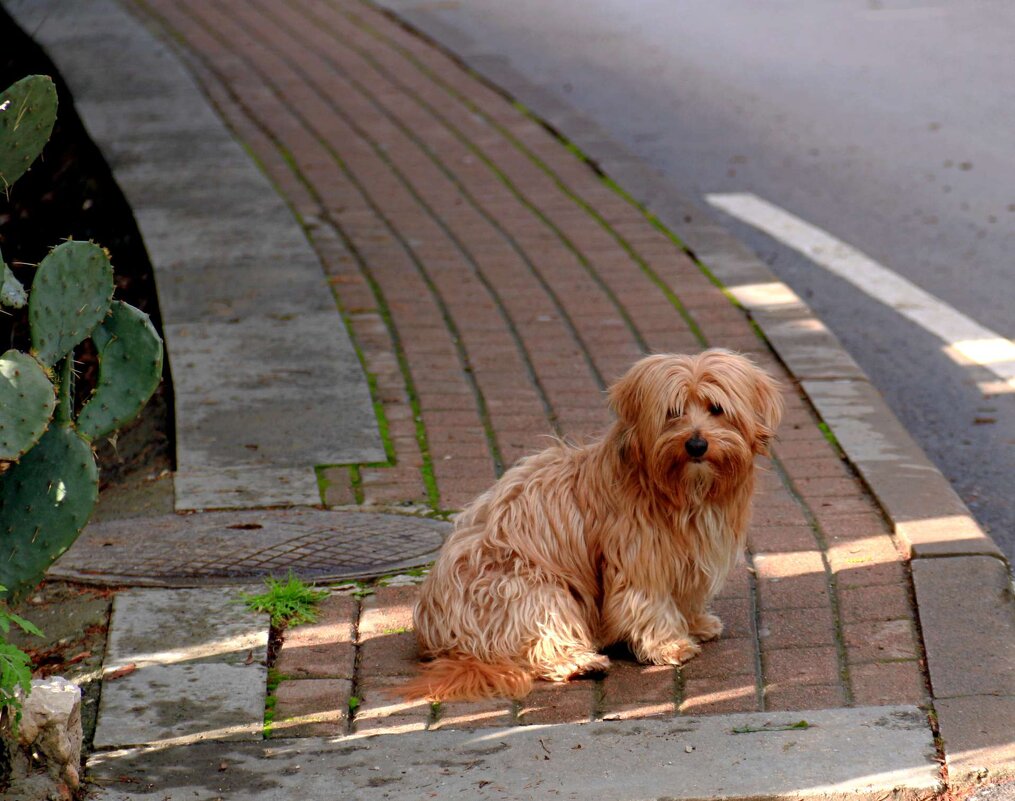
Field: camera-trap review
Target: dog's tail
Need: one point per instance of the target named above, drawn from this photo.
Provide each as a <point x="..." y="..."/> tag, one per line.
<point x="461" y="677"/>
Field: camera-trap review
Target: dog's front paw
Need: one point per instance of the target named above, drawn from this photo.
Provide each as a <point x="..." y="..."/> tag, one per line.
<point x="706" y="627"/>
<point x="577" y="665"/>
<point x="674" y="653"/>
<point x="591" y="663"/>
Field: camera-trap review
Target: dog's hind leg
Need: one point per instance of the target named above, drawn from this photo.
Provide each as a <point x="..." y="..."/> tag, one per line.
<point x="564" y="647"/>
<point x="654" y="628"/>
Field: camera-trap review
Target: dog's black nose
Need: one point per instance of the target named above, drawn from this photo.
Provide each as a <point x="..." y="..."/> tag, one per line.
<point x="696" y="447"/>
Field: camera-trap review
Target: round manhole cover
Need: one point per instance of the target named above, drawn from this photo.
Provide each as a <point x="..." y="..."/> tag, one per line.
<point x="228" y="547"/>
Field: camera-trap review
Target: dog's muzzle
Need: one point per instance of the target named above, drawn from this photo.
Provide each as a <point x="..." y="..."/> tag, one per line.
<point x="696" y="447"/>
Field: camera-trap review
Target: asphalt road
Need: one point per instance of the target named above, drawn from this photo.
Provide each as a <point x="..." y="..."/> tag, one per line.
<point x="887" y="123"/>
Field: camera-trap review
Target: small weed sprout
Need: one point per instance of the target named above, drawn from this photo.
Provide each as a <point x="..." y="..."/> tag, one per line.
<point x="289" y="603"/>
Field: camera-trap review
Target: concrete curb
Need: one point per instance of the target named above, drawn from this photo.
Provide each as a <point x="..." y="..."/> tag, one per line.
<point x="862" y="753"/>
<point x="926" y="514"/>
<point x="252" y="422"/>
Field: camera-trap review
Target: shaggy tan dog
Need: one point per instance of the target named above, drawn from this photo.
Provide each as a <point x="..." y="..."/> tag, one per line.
<point x="622" y="541"/>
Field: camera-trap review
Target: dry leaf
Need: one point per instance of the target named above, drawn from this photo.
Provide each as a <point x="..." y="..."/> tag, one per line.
<point x="119" y="673"/>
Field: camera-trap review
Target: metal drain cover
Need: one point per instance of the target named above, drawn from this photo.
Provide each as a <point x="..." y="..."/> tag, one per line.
<point x="237" y="547"/>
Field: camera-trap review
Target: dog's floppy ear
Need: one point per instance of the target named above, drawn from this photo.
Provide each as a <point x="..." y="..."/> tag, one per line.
<point x="624" y="401"/>
<point x="767" y="404"/>
<point x="629" y="398"/>
<point x="631" y="394"/>
<point x="624" y="397"/>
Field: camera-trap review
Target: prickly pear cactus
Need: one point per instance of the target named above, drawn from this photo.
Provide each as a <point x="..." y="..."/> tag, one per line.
<point x="27" y="401"/>
<point x="130" y="367"/>
<point x="27" y="115"/>
<point x="50" y="484"/>
<point x="70" y="296"/>
<point x="12" y="293"/>
<point x="46" y="498"/>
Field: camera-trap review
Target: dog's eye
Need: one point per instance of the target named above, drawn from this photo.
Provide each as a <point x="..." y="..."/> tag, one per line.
<point x="715" y="409"/>
<point x="674" y="414"/>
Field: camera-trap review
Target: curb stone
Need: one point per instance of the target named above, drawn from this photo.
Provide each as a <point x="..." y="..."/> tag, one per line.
<point x="862" y="754"/>
<point x="974" y="686"/>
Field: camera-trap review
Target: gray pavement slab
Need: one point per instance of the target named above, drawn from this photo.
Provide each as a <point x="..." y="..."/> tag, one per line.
<point x="244" y="488"/>
<point x="979" y="741"/>
<point x="182" y="666"/>
<point x="267" y="382"/>
<point x="182" y="703"/>
<point x="861" y="753"/>
<point x="165" y="627"/>
<point x="243" y="414"/>
<point x="968" y="622"/>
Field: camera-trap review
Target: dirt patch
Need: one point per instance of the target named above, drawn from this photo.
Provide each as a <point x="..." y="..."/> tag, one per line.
<point x="74" y="621"/>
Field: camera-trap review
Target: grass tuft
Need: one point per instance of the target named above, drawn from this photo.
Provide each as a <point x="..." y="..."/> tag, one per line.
<point x="289" y="603"/>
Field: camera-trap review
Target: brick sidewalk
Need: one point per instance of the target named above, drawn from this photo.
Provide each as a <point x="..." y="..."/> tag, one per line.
<point x="495" y="284"/>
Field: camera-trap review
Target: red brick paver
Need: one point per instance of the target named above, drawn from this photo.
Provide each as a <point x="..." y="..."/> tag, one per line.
<point x="311" y="708"/>
<point x="494" y="285"/>
<point x="323" y="649"/>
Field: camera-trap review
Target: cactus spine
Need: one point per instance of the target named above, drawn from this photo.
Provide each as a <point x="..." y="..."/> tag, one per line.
<point x="48" y="492"/>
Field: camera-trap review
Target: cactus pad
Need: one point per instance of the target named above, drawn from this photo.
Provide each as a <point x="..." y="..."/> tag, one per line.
<point x="27" y="399"/>
<point x="130" y="368"/>
<point x="45" y="501"/>
<point x="70" y="296"/>
<point x="27" y="114"/>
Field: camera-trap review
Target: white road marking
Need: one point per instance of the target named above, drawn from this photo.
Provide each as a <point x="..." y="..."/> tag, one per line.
<point x="966" y="341"/>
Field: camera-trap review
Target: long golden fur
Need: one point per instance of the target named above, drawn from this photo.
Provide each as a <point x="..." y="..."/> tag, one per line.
<point x="625" y="540"/>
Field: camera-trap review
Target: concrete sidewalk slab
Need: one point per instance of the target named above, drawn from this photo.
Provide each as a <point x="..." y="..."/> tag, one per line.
<point x="968" y="625"/>
<point x="968" y="622"/>
<point x="863" y="753"/>
<point x="273" y="372"/>
<point x="165" y="627"/>
<point x="180" y="704"/>
<point x="182" y="666"/>
<point x="978" y="741"/>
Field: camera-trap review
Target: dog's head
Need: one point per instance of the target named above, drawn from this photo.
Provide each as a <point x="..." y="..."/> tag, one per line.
<point x="695" y="422"/>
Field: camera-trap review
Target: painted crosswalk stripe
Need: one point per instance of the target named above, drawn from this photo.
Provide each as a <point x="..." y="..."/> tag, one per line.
<point x="966" y="341"/>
